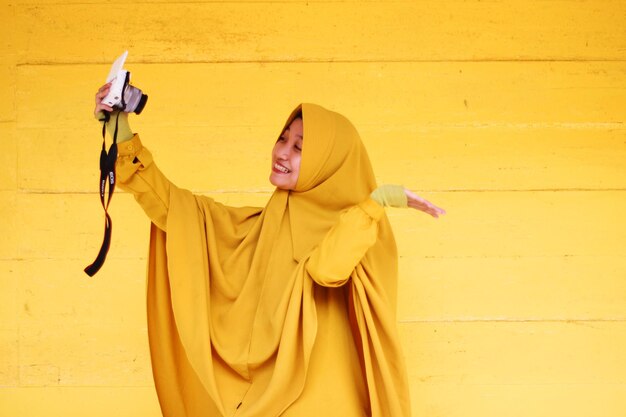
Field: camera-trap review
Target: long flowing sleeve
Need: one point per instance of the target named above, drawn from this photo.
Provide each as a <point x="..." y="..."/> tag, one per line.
<point x="333" y="260"/>
<point x="138" y="174"/>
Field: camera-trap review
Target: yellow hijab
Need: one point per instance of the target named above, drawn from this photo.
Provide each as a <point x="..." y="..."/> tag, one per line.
<point x="230" y="306"/>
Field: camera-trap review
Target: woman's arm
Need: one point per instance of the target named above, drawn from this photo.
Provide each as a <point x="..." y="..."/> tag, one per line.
<point x="139" y="175"/>
<point x="333" y="260"/>
<point x="397" y="196"/>
<point x="135" y="169"/>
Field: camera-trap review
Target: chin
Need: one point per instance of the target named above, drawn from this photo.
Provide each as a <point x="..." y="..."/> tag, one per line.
<point x="277" y="184"/>
<point x="283" y="185"/>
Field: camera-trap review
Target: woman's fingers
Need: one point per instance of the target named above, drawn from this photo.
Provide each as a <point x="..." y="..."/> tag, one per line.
<point x="433" y="210"/>
<point x="100" y="94"/>
<point x="105" y="107"/>
<point x="422" y="204"/>
<point x="101" y="107"/>
<point x="105" y="86"/>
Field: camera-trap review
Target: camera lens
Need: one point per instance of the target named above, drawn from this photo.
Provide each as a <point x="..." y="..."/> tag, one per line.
<point x="135" y="100"/>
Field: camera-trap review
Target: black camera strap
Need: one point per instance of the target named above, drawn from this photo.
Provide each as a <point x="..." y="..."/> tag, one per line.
<point x="107" y="176"/>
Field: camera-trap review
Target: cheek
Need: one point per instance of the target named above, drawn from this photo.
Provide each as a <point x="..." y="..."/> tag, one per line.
<point x="296" y="163"/>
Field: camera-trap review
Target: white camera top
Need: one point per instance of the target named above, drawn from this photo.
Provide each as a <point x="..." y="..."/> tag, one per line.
<point x="122" y="95"/>
<point x="118" y="76"/>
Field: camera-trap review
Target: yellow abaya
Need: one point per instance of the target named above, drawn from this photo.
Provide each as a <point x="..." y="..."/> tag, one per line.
<point x="286" y="310"/>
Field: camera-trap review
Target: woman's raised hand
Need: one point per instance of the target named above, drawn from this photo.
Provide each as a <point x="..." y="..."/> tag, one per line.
<point x="117" y="117"/>
<point x="102" y="93"/>
<point x="419" y="203"/>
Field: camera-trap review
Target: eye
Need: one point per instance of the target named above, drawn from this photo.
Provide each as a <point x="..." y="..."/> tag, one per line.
<point x="298" y="148"/>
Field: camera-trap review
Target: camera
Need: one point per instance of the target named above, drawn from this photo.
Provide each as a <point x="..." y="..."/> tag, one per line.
<point x="122" y="95"/>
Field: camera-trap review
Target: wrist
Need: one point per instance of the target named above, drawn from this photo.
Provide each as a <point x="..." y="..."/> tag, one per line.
<point x="389" y="195"/>
<point x="124" y="132"/>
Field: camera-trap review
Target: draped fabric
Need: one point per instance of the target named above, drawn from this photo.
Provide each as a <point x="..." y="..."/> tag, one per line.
<point x="232" y="292"/>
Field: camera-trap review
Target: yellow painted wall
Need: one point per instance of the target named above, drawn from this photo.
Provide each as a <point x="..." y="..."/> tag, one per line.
<point x="509" y="114"/>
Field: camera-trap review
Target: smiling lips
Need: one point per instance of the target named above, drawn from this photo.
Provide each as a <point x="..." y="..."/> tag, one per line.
<point x="280" y="169"/>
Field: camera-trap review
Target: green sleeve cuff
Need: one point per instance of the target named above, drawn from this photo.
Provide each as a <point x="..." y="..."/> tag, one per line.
<point x="390" y="196"/>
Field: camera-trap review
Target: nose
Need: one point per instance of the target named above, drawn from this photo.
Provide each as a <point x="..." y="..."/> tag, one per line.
<point x="283" y="151"/>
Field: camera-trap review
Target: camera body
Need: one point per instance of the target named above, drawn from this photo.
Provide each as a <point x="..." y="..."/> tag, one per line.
<point x="122" y="95"/>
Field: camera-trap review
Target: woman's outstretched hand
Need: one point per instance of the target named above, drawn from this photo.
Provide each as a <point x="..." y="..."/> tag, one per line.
<point x="419" y="203"/>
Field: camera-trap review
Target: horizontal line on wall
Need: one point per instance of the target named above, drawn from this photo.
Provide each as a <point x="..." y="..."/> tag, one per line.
<point x="53" y="192"/>
<point x="530" y="125"/>
<point x="520" y="190"/>
<point x="88" y="3"/>
<point x="519" y="320"/>
<point x="424" y="381"/>
<point x="498" y="125"/>
<point x="58" y="387"/>
<point x="71" y="259"/>
<point x="326" y="61"/>
<point x="430" y="257"/>
<point x="442" y="190"/>
<point x="413" y="127"/>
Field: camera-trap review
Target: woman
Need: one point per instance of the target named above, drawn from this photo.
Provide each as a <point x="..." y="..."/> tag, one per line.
<point x="286" y="310"/>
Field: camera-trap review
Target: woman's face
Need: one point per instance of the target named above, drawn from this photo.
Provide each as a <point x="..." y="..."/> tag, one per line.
<point x="286" y="156"/>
